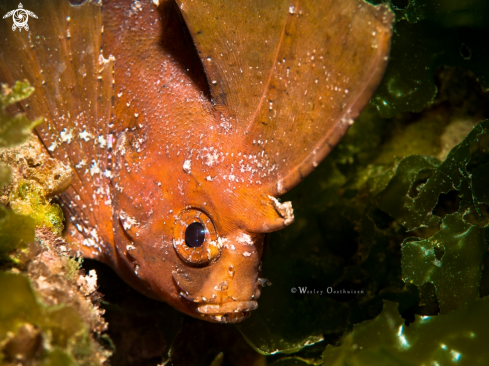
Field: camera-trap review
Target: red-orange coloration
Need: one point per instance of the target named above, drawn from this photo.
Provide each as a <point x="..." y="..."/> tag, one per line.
<point x="171" y="113"/>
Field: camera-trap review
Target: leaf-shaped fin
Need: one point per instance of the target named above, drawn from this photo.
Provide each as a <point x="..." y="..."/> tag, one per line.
<point x="292" y="74"/>
<point x="61" y="56"/>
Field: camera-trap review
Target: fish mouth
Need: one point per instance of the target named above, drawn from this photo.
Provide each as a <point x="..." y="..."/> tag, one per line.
<point x="228" y="312"/>
<point x="228" y="307"/>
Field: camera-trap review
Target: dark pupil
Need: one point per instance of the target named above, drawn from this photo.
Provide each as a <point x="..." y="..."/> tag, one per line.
<point x="195" y="235"/>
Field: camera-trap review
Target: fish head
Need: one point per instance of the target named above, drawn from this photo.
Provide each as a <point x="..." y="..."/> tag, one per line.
<point x="194" y="242"/>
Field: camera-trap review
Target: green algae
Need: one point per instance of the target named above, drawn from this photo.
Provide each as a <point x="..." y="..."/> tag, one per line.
<point x="427" y="35"/>
<point x="455" y="270"/>
<point x="456" y="338"/>
<point x="29" y="200"/>
<point x="15" y="130"/>
<point x="57" y="336"/>
<point x="71" y="267"/>
<point x="412" y="197"/>
<point x="31" y="332"/>
<point x="377" y="216"/>
<point x="15" y="230"/>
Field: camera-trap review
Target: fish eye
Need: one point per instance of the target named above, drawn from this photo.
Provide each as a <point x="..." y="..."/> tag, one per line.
<point x="195" y="238"/>
<point x="195" y="235"/>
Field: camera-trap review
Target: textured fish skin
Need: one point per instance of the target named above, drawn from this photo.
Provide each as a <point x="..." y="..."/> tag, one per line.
<point x="195" y="111"/>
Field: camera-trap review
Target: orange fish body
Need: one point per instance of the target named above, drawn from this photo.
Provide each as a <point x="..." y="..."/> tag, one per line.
<point x="183" y="122"/>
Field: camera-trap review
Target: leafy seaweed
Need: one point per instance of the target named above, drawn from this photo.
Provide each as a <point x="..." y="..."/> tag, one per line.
<point x="455" y="338"/>
<point x="15" y="230"/>
<point x="372" y="194"/>
<point x="429" y="34"/>
<point x="15" y="130"/>
<point x="456" y="269"/>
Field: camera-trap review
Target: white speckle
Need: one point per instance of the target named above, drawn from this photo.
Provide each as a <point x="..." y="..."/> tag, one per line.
<point x="80" y="164"/>
<point x="212" y="158"/>
<point x="53" y="146"/>
<point x="102" y="141"/>
<point x="279" y="185"/>
<point x="214" y="82"/>
<point x="94" y="168"/>
<point x="127" y="221"/>
<point x="136" y="5"/>
<point x="156" y="2"/>
<point x="85" y="136"/>
<point x="186" y="166"/>
<point x="66" y="136"/>
<point x="246" y="254"/>
<point x="244" y="239"/>
<point x="208" y="178"/>
<point x="291" y="9"/>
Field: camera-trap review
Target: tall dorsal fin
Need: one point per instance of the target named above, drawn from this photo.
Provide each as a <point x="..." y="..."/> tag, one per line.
<point x="293" y="74"/>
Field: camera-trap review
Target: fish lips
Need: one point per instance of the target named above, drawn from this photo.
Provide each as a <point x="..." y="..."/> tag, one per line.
<point x="228" y="312"/>
<point x="227" y="307"/>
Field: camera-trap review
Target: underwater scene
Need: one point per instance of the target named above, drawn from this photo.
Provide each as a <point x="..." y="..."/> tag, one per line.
<point x="244" y="183"/>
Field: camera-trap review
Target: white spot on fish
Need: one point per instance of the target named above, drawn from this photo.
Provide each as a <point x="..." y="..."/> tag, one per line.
<point x="85" y="135"/>
<point x="66" y="136"/>
<point x="186" y="166"/>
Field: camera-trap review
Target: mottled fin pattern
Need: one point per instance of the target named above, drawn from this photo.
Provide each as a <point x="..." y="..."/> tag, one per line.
<point x="62" y="57"/>
<point x="293" y="74"/>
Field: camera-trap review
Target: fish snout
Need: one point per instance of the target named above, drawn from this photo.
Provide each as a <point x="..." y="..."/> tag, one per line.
<point x="228" y="290"/>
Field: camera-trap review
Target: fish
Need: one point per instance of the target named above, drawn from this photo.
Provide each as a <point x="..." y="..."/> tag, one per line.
<point x="184" y="122"/>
